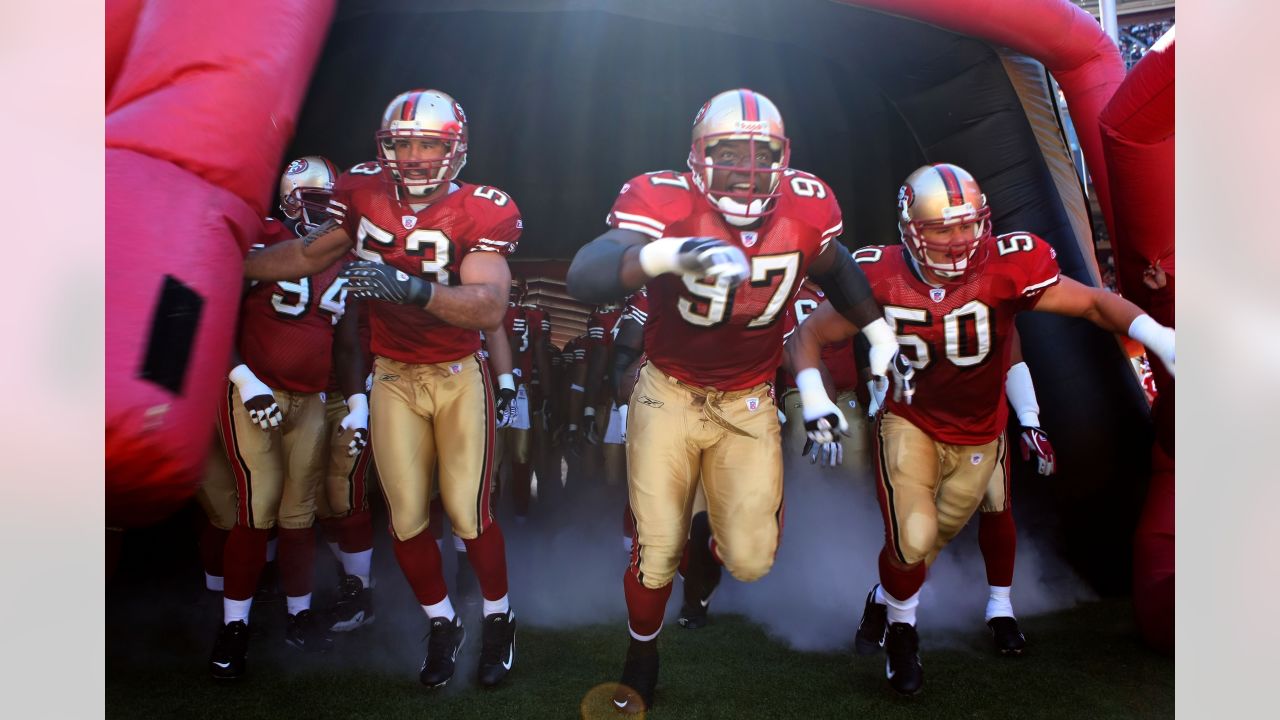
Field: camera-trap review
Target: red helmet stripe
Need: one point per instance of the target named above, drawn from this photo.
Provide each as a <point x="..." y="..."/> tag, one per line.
<point x="955" y="196"/>
<point x="410" y="105"/>
<point x="750" y="105"/>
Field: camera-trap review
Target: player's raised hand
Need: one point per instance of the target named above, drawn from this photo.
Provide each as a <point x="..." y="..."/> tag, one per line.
<point x="703" y="257"/>
<point x="377" y="281"/>
<point x="257" y="398"/>
<point x="1036" y="442"/>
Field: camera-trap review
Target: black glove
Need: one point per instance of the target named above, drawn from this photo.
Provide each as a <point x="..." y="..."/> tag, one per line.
<point x="904" y="378"/>
<point x="506" y="410"/>
<point x="377" y="281"/>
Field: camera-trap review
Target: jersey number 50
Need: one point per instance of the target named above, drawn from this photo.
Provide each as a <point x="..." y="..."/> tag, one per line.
<point x="966" y="333"/>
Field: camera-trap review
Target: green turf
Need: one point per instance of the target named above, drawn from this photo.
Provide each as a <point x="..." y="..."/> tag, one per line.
<point x="1083" y="663"/>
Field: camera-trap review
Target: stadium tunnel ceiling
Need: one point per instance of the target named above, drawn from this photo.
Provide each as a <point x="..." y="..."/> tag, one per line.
<point x="568" y="100"/>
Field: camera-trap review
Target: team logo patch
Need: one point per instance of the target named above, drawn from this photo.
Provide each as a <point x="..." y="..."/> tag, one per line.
<point x="937" y="294"/>
<point x="749" y="238"/>
<point x="324" y="398"/>
<point x="853" y="403"/>
<point x="975" y="458"/>
<point x="625" y="188"/>
<point x="753" y="404"/>
<point x="457" y="368"/>
<point x="702" y="113"/>
<point x="519" y="223"/>
<point x="650" y="401"/>
<point x="409" y="221"/>
<point x="296" y="166"/>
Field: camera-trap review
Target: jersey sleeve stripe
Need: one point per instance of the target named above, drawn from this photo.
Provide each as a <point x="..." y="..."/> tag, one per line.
<point x="632" y="217"/>
<point x="1037" y="286"/>
<point x="833" y="231"/>
<point x="642" y="229"/>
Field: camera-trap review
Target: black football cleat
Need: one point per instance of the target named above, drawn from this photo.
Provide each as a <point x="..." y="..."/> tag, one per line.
<point x="1008" y="639"/>
<point x="308" y="633"/>
<point x="639" y="678"/>
<point x="354" y="608"/>
<point x="443" y="645"/>
<point x="497" y="647"/>
<point x="869" y="639"/>
<point x="227" y="661"/>
<point x="902" y="666"/>
<point x="702" y="578"/>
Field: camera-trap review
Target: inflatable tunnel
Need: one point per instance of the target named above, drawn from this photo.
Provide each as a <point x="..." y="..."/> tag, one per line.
<point x="568" y="99"/>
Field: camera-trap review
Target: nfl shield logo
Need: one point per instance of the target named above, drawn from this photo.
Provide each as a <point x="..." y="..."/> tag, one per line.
<point x="753" y="403"/>
<point x="748" y="239"/>
<point x="410" y="221"/>
<point x="976" y="458"/>
<point x="457" y="368"/>
<point x="936" y="295"/>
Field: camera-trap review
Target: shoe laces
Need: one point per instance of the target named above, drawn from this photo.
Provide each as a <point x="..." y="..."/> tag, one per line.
<point x="494" y="639"/>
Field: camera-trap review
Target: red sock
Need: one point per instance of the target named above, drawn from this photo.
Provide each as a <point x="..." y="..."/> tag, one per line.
<point x="488" y="556"/>
<point x="900" y="581"/>
<point x="520" y="491"/>
<point x="419" y="560"/>
<point x="645" y="606"/>
<point x="297" y="557"/>
<point x="998" y="539"/>
<point x="355" y="532"/>
<point x="329" y="529"/>
<point x="212" y="541"/>
<point x="243" y="557"/>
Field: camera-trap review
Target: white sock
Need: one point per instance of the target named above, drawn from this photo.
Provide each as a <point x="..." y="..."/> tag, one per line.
<point x="443" y="609"/>
<point x="644" y="638"/>
<point x="626" y="543"/>
<point x="233" y="610"/>
<point x="213" y="582"/>
<point x="880" y="595"/>
<point x="358" y="564"/>
<point x="998" y="604"/>
<point x="902" y="611"/>
<point x="459" y="545"/>
<point x="298" y="604"/>
<point x="336" y="550"/>
<point x="501" y="605"/>
<point x="271" y="549"/>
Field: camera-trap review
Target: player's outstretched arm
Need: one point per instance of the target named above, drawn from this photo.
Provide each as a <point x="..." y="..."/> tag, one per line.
<point x="822" y="418"/>
<point x="478" y="303"/>
<point x="352" y="366"/>
<point x="301" y="257"/>
<point x="618" y="262"/>
<point x="847" y="288"/>
<point x="1109" y="312"/>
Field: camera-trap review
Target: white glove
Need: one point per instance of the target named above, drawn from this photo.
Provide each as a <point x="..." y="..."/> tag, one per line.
<point x="884" y="345"/>
<point x="823" y="421"/>
<point x="622" y="422"/>
<point x="702" y="257"/>
<point x="357" y="420"/>
<point x="878" y="388"/>
<point x="257" y="397"/>
<point x="1157" y="338"/>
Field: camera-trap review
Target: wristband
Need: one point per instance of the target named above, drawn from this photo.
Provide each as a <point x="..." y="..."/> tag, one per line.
<point x="1022" y="394"/>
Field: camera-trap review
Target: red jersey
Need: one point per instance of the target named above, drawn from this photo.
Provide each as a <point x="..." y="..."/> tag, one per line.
<point x="286" y="327"/>
<point x="516" y="323"/>
<point x="637" y="307"/>
<point x="838" y="357"/>
<point x="429" y="243"/>
<point x="602" y="325"/>
<point x="958" y="336"/>
<point x="708" y="335"/>
<point x="575" y="351"/>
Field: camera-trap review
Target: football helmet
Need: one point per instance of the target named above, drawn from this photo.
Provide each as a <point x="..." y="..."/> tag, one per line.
<point x="740" y="115"/>
<point x="423" y="114"/>
<point x="305" y="188"/>
<point x="519" y="288"/>
<point x="938" y="196"/>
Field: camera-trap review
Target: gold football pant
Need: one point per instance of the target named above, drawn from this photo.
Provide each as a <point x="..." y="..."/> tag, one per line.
<point x="346" y="479"/>
<point x="278" y="471"/>
<point x="217" y="493"/>
<point x="856" y="445"/>
<point x="999" y="494"/>
<point x="424" y="415"/>
<point x="676" y="433"/>
<point x="928" y="490"/>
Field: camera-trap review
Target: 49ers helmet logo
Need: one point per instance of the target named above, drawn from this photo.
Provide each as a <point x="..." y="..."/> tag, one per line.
<point x="296" y="166"/>
<point x="701" y="113"/>
<point x="906" y="197"/>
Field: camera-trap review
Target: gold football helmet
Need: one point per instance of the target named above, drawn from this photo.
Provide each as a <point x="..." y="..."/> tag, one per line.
<point x="740" y="115"/>
<point x="305" y="188"/>
<point x="933" y="199"/>
<point x="423" y="114"/>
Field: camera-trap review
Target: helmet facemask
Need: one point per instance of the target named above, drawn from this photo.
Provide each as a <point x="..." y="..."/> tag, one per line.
<point x="755" y="180"/>
<point x="421" y="177"/>
<point x="952" y="260"/>
<point x="305" y="189"/>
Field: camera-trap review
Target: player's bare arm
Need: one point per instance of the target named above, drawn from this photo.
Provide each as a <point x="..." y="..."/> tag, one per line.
<point x="499" y="344"/>
<point x="301" y="257"/>
<point x="1109" y="312"/>
<point x="479" y="302"/>
<point x="618" y="262"/>
<point x="849" y="292"/>
<point x="352" y="365"/>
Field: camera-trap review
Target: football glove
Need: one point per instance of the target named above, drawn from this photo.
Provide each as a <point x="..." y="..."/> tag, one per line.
<point x="829" y="454"/>
<point x="703" y="257"/>
<point x="356" y="421"/>
<point x="257" y="398"/>
<point x="823" y="421"/>
<point x="904" y="379"/>
<point x="377" y="281"/>
<point x="506" y="408"/>
<point x="1036" y="442"/>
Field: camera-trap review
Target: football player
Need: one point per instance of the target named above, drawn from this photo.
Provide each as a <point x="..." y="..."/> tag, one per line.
<point x="273" y="426"/>
<point x="433" y="262"/>
<point x="600" y="412"/>
<point x="722" y="248"/>
<point x="514" y="422"/>
<point x="952" y="290"/>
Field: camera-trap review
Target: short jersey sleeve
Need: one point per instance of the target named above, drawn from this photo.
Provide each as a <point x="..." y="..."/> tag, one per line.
<point x="637" y="307"/>
<point x="596" y="329"/>
<point x="647" y="203"/>
<point x="496" y="220"/>
<point x="1030" y="263"/>
<point x="342" y="201"/>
